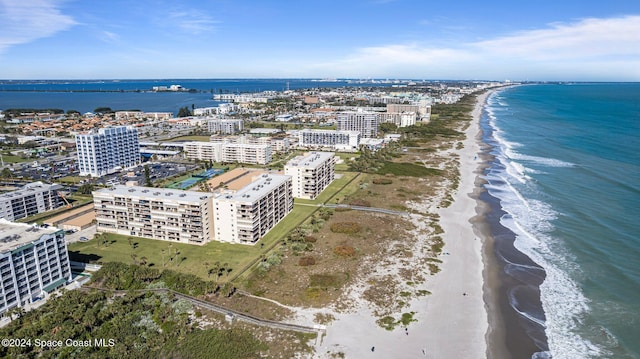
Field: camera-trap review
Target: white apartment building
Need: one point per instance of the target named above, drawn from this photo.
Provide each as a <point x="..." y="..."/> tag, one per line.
<point x="225" y="126"/>
<point x="228" y="152"/>
<point x="139" y="115"/>
<point x="278" y="144"/>
<point x="243" y="98"/>
<point x="364" y="122"/>
<point x="33" y="262"/>
<point x="107" y="150"/>
<point x="400" y="119"/>
<point x="248" y="214"/>
<point x="205" y="151"/>
<point x="31" y="199"/>
<point x="246" y="153"/>
<point x="221" y="109"/>
<point x="339" y="140"/>
<point x="157" y="213"/>
<point x="311" y="173"/>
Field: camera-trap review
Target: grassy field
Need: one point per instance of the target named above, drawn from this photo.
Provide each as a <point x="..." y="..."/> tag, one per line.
<point x="14" y="159"/>
<point x="184" y="258"/>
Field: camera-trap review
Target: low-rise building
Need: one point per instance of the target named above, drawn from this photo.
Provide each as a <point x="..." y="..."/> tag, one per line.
<point x="311" y="173"/>
<point x="158" y="213"/>
<point x="248" y="214"/>
<point x="33" y="261"/>
<point x="31" y="199"/>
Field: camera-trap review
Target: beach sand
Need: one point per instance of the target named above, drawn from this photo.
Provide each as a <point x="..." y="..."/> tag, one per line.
<point x="452" y="321"/>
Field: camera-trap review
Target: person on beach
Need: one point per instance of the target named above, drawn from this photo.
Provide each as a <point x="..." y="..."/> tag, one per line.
<point x="373" y="349"/>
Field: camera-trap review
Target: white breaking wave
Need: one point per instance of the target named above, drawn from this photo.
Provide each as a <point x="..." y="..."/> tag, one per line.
<point x="531" y="221"/>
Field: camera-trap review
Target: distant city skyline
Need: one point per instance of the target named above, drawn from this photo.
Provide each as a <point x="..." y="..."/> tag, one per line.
<point x="491" y="40"/>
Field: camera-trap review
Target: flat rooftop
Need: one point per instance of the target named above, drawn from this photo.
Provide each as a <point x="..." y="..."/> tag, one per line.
<point x="235" y="179"/>
<point x="155" y="193"/>
<point x="264" y="184"/>
<point x="14" y="235"/>
<point x="30" y="188"/>
<point x="310" y="159"/>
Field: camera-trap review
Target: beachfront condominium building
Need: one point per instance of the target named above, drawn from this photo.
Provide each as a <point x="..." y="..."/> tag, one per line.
<point x="228" y="152"/>
<point x="158" y="213"/>
<point x="364" y="122"/>
<point x="204" y="151"/>
<point x="107" y="150"/>
<point x="248" y="214"/>
<point x="31" y="199"/>
<point x="311" y="173"/>
<point x="33" y="262"/>
<point x="225" y="126"/>
<point x="338" y="140"/>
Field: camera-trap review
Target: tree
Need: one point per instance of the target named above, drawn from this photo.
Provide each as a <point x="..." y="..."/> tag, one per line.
<point x="6" y="173"/>
<point x="184" y="112"/>
<point x="387" y="127"/>
<point x="147" y="176"/>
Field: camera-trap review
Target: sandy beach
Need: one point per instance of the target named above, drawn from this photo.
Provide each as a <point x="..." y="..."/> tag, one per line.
<point x="452" y="321"/>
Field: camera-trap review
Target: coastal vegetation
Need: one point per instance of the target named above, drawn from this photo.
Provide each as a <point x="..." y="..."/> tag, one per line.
<point x="99" y="324"/>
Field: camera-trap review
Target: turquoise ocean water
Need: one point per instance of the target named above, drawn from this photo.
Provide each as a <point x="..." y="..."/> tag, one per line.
<point x="566" y="172"/>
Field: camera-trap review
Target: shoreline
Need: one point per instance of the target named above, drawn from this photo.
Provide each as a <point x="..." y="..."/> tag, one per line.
<point x="452" y="322"/>
<point x="510" y="334"/>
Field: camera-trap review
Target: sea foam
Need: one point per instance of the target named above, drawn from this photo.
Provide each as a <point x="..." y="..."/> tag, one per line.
<point x="531" y="221"/>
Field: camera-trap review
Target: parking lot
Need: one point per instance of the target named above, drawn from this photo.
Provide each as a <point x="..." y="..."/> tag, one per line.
<point x="157" y="171"/>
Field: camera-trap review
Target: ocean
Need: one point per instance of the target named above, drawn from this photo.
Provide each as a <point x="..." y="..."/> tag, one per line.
<point x="86" y="95"/>
<point x="563" y="184"/>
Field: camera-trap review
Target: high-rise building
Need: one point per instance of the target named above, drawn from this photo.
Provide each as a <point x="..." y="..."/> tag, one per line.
<point x="33" y="262"/>
<point x="364" y="122"/>
<point x="311" y="173"/>
<point x="31" y="199"/>
<point x="248" y="214"/>
<point x="107" y="150"/>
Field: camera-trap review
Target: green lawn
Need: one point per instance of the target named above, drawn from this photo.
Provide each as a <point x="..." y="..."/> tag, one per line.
<point x="14" y="159"/>
<point x="192" y="259"/>
<point x="344" y="166"/>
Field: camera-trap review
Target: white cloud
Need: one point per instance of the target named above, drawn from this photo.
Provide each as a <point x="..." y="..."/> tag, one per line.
<point x="588" y="38"/>
<point x="28" y="20"/>
<point x="588" y="49"/>
<point x="192" y="21"/>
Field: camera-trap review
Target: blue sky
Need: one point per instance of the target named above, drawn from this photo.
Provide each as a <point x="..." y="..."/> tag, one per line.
<point x="418" y="39"/>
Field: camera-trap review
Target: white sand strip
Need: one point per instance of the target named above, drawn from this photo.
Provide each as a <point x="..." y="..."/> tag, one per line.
<point x="449" y="324"/>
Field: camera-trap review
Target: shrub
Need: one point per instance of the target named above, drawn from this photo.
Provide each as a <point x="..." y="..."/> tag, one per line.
<point x="310" y="239"/>
<point x="344" y="251"/>
<point x="360" y="202"/>
<point x="306" y="261"/>
<point x="345" y="227"/>
<point x="382" y="181"/>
